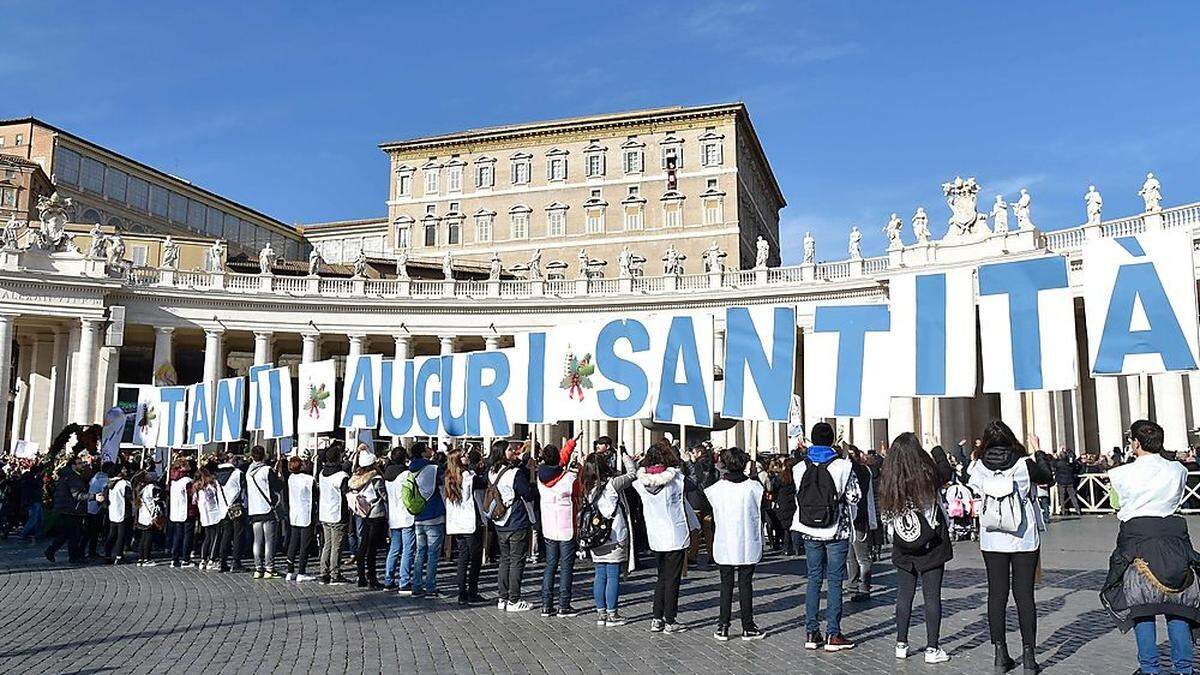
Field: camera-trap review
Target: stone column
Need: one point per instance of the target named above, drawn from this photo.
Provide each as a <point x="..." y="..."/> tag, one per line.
<point x="357" y="340"/>
<point x="56" y="419"/>
<point x="1134" y="398"/>
<point x="21" y="400"/>
<point x="1043" y="420"/>
<point x="6" y="342"/>
<point x="1012" y="414"/>
<point x="263" y="342"/>
<point x="929" y="422"/>
<point x="1108" y="413"/>
<point x="164" y="356"/>
<point x="213" y="339"/>
<point x="84" y="380"/>
<point x="402" y="346"/>
<point x="310" y="349"/>
<point x="108" y="374"/>
<point x="1169" y="410"/>
<point x="446" y="343"/>
<point x="38" y="403"/>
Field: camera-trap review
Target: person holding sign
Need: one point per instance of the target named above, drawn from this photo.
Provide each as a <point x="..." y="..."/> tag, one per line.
<point x="606" y="508"/>
<point x="669" y="523"/>
<point x="367" y="496"/>
<point x="505" y="503"/>
<point x="910" y="497"/>
<point x="736" y="503"/>
<point x="334" y="513"/>
<point x="301" y="486"/>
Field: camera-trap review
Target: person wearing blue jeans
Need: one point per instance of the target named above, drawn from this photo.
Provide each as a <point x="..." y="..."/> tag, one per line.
<point x="429" y="537"/>
<point x="401" y="551"/>
<point x="606" y="589"/>
<point x="560" y="555"/>
<point x="1179" y="632"/>
<point x="826" y="560"/>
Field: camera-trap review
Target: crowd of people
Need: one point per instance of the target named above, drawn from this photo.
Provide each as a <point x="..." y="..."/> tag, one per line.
<point x="403" y="513"/>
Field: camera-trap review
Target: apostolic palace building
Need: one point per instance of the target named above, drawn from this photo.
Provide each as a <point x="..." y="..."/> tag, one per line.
<point x="114" y="274"/>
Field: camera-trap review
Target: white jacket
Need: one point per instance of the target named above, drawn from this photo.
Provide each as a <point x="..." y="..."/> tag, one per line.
<point x="737" y="521"/>
<point x="117" y="494"/>
<point x="147" y="505"/>
<point x="1028" y="536"/>
<point x="842" y="472"/>
<point x="398" y="516"/>
<point x="663" y="508"/>
<point x="258" y="489"/>
<point x="178" y="511"/>
<point x="460" y="516"/>
<point x="331" y="498"/>
<point x="300" y="499"/>
<point x="208" y="502"/>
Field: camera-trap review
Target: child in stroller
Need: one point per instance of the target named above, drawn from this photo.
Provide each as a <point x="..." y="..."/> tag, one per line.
<point x="962" y="509"/>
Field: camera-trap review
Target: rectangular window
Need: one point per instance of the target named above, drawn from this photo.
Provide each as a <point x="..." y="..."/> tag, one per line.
<point x="404" y="185"/>
<point x="232" y="230"/>
<point x="431" y="181"/>
<point x="20" y="140"/>
<point x="454" y="179"/>
<point x="633" y="160"/>
<point x="633" y="190"/>
<point x="671" y="216"/>
<point x="8" y="197"/>
<point x="595" y="165"/>
<point x="158" y="201"/>
<point x="712" y="211"/>
<point x="214" y="223"/>
<point x="195" y="216"/>
<point x="401" y="237"/>
<point x="115" y="182"/>
<point x="595" y="221"/>
<point x="520" y="172"/>
<point x="454" y="232"/>
<point x="177" y="208"/>
<point x="430" y="209"/>
<point x="66" y="164"/>
<point x="672" y="153"/>
<point x="453" y="207"/>
<point x="557" y="168"/>
<point x="431" y="234"/>
<point x="520" y="226"/>
<point x="93" y="176"/>
<point x="556" y="225"/>
<point x="483" y="228"/>
<point x="138" y="194"/>
<point x="137" y="255"/>
<point x="711" y="153"/>
<point x="485" y="176"/>
<point x="633" y="218"/>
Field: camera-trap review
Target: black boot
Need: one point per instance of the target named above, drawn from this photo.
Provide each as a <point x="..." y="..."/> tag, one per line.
<point x="1003" y="662"/>
<point x="1029" y="661"/>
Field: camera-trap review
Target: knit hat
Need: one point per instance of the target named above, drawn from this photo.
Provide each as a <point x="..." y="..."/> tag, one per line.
<point x="366" y="458"/>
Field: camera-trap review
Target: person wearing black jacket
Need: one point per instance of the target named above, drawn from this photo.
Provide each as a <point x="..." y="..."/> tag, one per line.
<point x="510" y="474"/>
<point x="232" y="483"/>
<point x="1066" y="475"/>
<point x="70" y="506"/>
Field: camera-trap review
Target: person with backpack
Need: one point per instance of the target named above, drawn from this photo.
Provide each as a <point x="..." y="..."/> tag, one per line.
<point x="1010" y="527"/>
<point x="604" y="528"/>
<point x="148" y="521"/>
<point x="119" y="498"/>
<point x="207" y="498"/>
<point x="367" y="496"/>
<point x="263" y="486"/>
<point x="181" y="514"/>
<point x="558" y="496"/>
<point x="421" y="493"/>
<point x="397" y="571"/>
<point x="232" y="481"/>
<point x="737" y="540"/>
<point x="826" y="495"/>
<point x="669" y="524"/>
<point x="910" y="496"/>
<point x="334" y="514"/>
<point x="865" y="521"/>
<point x="301" y="507"/>
<point x="505" y="504"/>
<point x="464" y="522"/>
<point x="1151" y="571"/>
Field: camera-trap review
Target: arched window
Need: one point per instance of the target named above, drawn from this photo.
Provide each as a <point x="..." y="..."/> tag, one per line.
<point x="91" y="216"/>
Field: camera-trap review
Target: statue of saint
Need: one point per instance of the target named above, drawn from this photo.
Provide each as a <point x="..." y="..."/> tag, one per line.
<point x="673" y="261"/>
<point x="1021" y="211"/>
<point x="402" y="263"/>
<point x="116" y="250"/>
<point x="855" y="244"/>
<point x="920" y="225"/>
<point x="314" y="261"/>
<point x="713" y="258"/>
<point x="216" y="256"/>
<point x="534" y="269"/>
<point x="170" y="254"/>
<point x="810" y="249"/>
<point x="893" y="229"/>
<point x="447" y="267"/>
<point x="360" y="264"/>
<point x="11" y="230"/>
<point x="1000" y="215"/>
<point x="625" y="263"/>
<point x="762" y="251"/>
<point x="1151" y="193"/>
<point x="98" y="244"/>
<point x="1093" y="202"/>
<point x="494" y="268"/>
<point x="266" y="259"/>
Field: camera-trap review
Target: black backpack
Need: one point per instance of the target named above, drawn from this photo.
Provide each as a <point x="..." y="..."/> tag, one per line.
<point x="817" y="502"/>
<point x="594" y="529"/>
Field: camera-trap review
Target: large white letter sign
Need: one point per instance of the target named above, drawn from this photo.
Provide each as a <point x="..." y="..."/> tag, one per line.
<point x="173" y="408"/>
<point x="848" y="362"/>
<point x="1139" y="296"/>
<point x="254" y="416"/>
<point x="147" y="419"/>
<point x="488" y="376"/>
<point x="199" y="414"/>
<point x="686" y="373"/>
<point x="360" y="396"/>
<point x="317" y="381"/>
<point x="933" y="333"/>
<point x="453" y="396"/>
<point x="229" y="410"/>
<point x="1027" y="321"/>
<point x="427" y="395"/>
<point x="760" y="345"/>
<point x="275" y="393"/>
<point x="396" y="410"/>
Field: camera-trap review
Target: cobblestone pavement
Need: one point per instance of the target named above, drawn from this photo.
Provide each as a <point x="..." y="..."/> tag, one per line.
<point x="59" y="619"/>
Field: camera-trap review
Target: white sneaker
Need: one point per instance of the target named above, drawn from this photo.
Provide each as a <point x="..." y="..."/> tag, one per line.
<point x="936" y="655"/>
<point x="187" y="564"/>
<point x="502" y="604"/>
<point x="518" y="606"/>
<point x="902" y="650"/>
<point x="149" y="563"/>
<point x="291" y="576"/>
<point x="304" y="578"/>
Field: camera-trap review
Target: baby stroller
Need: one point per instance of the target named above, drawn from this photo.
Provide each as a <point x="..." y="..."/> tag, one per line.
<point x="961" y="508"/>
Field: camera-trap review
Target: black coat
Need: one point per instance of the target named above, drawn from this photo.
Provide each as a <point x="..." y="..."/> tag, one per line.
<point x="70" y="493"/>
<point x="1066" y="470"/>
<point x="941" y="551"/>
<point x="1163" y="549"/>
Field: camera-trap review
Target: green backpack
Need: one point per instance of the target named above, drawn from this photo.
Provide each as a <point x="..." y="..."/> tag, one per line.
<point x="410" y="492"/>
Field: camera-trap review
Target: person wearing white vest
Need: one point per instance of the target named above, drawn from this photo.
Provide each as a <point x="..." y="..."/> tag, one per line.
<point x="119" y="498"/>
<point x="669" y="522"/>
<point x="233" y="514"/>
<point x="736" y="503"/>
<point x="263" y="486"/>
<point x="334" y="514"/>
<point x="461" y="485"/>
<point x="558" y="496"/>
<point x="148" y="510"/>
<point x="1005" y="475"/>
<point x="301" y="489"/>
<point x="181" y="515"/>
<point x="206" y="495"/>
<point x="402" y="542"/>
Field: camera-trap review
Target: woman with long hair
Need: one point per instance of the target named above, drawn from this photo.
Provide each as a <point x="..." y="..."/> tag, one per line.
<point x="206" y="494"/>
<point x="1005" y="474"/>
<point x="463" y="519"/>
<point x="301" y="486"/>
<point x="669" y="522"/>
<point x="910" y="497"/>
<point x="604" y="485"/>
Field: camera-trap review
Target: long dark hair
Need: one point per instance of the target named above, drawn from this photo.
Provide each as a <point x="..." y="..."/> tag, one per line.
<point x="660" y="454"/>
<point x="597" y="470"/>
<point x="997" y="434"/>
<point x="909" y="478"/>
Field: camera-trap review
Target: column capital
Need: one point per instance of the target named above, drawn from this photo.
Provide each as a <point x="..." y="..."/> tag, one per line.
<point x="214" y="332"/>
<point x="309" y="336"/>
<point x="164" y="330"/>
<point x="90" y="325"/>
<point x="492" y="342"/>
<point x="264" y="334"/>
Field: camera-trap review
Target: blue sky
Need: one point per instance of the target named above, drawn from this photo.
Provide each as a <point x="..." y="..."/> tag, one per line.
<point x="863" y="108"/>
